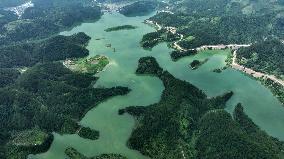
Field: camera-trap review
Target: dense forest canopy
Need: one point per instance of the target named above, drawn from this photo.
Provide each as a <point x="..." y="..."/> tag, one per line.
<point x="152" y="39"/>
<point x="74" y="154"/>
<point x="39" y="95"/>
<point x="50" y="97"/>
<point x="45" y="18"/>
<point x="52" y="49"/>
<point x="139" y="8"/>
<point x="264" y="56"/>
<point x="190" y="125"/>
<point x="224" y="21"/>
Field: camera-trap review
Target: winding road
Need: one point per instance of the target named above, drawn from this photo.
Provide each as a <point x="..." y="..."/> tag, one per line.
<point x="234" y="47"/>
<point x="255" y="74"/>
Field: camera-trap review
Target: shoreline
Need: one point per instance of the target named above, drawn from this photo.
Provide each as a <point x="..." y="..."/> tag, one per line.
<point x="233" y="47"/>
<point x="253" y="73"/>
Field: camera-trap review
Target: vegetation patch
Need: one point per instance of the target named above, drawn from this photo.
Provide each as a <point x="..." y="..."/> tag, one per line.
<point x="88" y="133"/>
<point x="74" y="154"/>
<point x="122" y="27"/>
<point x="139" y="8"/>
<point x="176" y="54"/>
<point x="50" y="97"/>
<point x="8" y="76"/>
<point x="152" y="39"/>
<point x="195" y="64"/>
<point x="52" y="49"/>
<point x="87" y="65"/>
<point x="264" y="56"/>
<point x="166" y="129"/>
<point x="28" y="142"/>
<point x="46" y="18"/>
<point x="223" y="21"/>
<point x="218" y="70"/>
<point x="276" y="88"/>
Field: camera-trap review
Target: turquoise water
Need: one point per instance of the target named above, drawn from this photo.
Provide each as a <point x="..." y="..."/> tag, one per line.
<point x="259" y="103"/>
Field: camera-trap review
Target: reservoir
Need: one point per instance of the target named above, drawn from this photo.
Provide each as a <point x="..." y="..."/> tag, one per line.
<point x="259" y="103"/>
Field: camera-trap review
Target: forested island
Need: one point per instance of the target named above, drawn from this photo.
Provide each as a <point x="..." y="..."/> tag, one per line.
<point x="178" y="125"/>
<point x="122" y="27"/>
<point x="195" y="64"/>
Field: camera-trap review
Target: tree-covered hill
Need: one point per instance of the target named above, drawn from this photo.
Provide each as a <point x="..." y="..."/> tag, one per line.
<point x="139" y="8"/>
<point x="221" y="136"/>
<point x="48" y="97"/>
<point x="52" y="49"/>
<point x="188" y="124"/>
<point x="45" y="97"/>
<point x="223" y="21"/>
<point x="44" y="19"/>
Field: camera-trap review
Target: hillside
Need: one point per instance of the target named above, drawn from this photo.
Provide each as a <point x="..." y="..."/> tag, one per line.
<point x="50" y="97"/>
<point x="264" y="56"/>
<point x="223" y="21"/>
<point x="178" y="125"/>
<point x="51" y="49"/>
<point x="139" y="8"/>
<point x="45" y="18"/>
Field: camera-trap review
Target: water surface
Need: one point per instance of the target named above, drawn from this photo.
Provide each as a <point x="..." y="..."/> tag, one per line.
<point x="259" y="103"/>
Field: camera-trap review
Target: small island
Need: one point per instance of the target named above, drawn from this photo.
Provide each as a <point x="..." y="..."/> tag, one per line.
<point x="195" y="64"/>
<point x="91" y="65"/>
<point x="218" y="70"/>
<point x="121" y="27"/>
